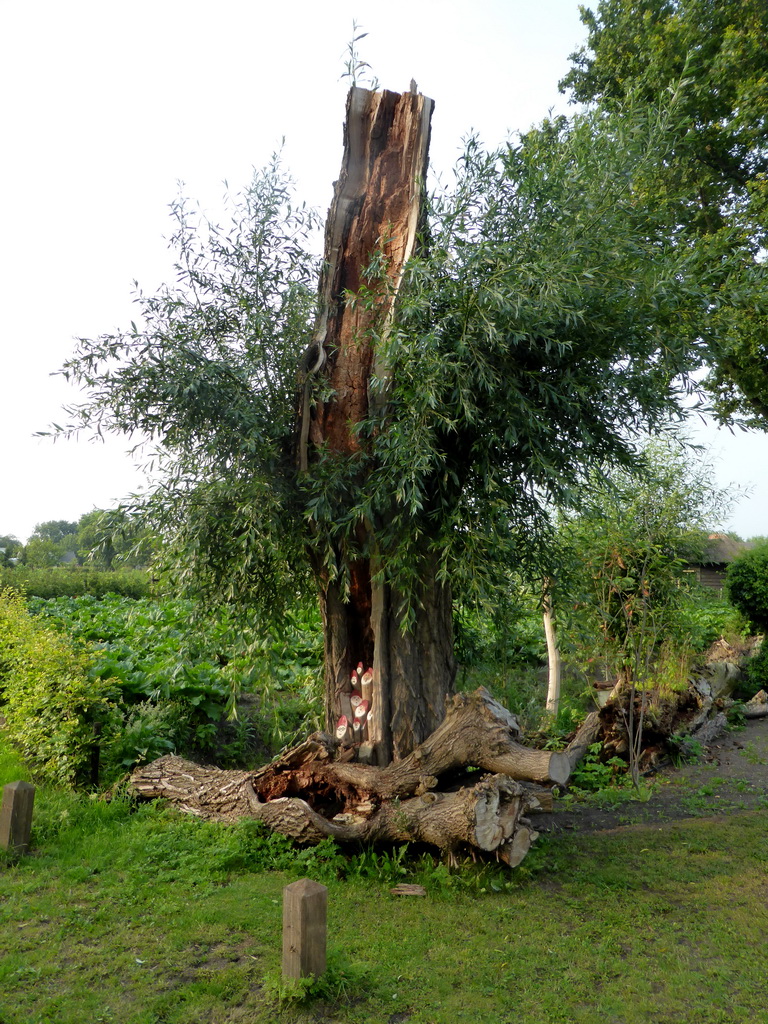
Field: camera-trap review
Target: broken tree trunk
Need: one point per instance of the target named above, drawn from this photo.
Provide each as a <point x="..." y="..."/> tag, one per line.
<point x="315" y="791"/>
<point x="371" y="232"/>
<point x="589" y="732"/>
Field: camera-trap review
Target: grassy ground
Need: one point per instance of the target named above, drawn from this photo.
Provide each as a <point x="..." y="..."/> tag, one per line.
<point x="145" y="917"/>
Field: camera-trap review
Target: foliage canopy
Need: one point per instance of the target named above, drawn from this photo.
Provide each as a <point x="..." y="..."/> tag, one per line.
<point x="551" y="319"/>
<point x="718" y="165"/>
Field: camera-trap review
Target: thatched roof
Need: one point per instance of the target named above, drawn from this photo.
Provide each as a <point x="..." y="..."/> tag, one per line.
<point x="720" y="549"/>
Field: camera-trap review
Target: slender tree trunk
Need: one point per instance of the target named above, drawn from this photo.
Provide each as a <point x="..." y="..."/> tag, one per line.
<point x="553" y="655"/>
<point x="373" y="220"/>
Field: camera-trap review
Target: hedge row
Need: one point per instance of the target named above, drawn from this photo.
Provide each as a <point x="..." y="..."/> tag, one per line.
<point x="75" y="581"/>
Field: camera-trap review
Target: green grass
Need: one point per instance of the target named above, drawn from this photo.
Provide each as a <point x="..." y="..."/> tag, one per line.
<point x="142" y="916"/>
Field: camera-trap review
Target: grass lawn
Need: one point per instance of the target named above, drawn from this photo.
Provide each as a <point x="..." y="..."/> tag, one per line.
<point x="141" y="916"/>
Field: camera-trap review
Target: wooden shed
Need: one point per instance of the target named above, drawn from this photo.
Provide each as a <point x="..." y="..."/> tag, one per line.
<point x="719" y="551"/>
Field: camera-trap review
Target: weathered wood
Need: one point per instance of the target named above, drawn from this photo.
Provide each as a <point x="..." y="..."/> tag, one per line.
<point x="305" y="906"/>
<point x="309" y="793"/>
<point x="405" y="889"/>
<point x="757" y="707"/>
<point x="711" y="730"/>
<point x="374" y="215"/>
<point x="371" y="232"/>
<point x="587" y="734"/>
<point x="486" y="816"/>
<point x="16" y="816"/>
<point x="539" y="799"/>
<point x="477" y="731"/>
<point x="693" y="711"/>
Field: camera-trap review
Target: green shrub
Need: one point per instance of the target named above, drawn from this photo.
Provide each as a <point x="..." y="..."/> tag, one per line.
<point x="512" y="635"/>
<point x="592" y="774"/>
<point x="50" y="701"/>
<point x="747" y="585"/>
<point x="172" y="692"/>
<point x="178" y="672"/>
<point x="74" y="581"/>
<point x="756" y="673"/>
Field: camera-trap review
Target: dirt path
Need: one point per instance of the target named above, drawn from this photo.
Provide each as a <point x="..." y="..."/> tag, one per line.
<point x="732" y="776"/>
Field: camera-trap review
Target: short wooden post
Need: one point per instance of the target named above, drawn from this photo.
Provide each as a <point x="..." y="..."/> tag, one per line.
<point x="16" y="816"/>
<point x="305" y="906"/>
<point x="96" y="754"/>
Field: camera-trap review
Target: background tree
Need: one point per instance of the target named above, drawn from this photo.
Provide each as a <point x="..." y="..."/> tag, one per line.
<point x="10" y="547"/>
<point x="718" y="163"/>
<point x="51" y="543"/>
<point x="631" y="548"/>
<point x="111" y="538"/>
<point x="55" y="530"/>
<point x="746" y="585"/>
<point x="549" y="319"/>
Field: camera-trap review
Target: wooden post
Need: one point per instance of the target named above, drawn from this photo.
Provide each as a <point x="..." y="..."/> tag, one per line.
<point x="16" y="816"/>
<point x="96" y="753"/>
<point x="304" y="929"/>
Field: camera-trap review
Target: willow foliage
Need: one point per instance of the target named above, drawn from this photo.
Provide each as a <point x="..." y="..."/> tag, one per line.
<point x="716" y="174"/>
<point x="551" y="318"/>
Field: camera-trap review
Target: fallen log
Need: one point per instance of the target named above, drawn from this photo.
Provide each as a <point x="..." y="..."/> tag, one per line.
<point x="666" y="716"/>
<point x="589" y="732"/>
<point x="488" y="816"/>
<point x="315" y="791"/>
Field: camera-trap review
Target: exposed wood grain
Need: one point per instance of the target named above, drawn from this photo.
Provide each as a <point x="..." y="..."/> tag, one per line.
<point x="315" y="790"/>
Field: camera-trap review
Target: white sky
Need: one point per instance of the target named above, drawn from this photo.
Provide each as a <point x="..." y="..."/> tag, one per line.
<point x="107" y="104"/>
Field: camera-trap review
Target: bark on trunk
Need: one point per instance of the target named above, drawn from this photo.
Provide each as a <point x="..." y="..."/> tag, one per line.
<point x="588" y="733"/>
<point x="371" y="232"/>
<point x="553" y="653"/>
<point x="315" y="791"/>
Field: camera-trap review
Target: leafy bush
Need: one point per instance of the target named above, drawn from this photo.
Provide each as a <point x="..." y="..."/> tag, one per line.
<point x="73" y="581"/>
<point x="178" y="673"/>
<point x="704" y="616"/>
<point x="593" y="774"/>
<point x="513" y="634"/>
<point x="51" y="700"/>
<point x="172" y="691"/>
<point x="747" y="585"/>
<point x="756" y="673"/>
<point x="147" y="732"/>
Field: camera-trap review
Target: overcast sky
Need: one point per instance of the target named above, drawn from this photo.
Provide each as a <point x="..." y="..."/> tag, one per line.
<point x="107" y="105"/>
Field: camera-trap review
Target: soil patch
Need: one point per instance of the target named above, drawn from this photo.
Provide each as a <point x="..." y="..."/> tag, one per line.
<point x="730" y="777"/>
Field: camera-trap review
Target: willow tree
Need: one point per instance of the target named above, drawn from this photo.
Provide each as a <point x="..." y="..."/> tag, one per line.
<point x="718" y="159"/>
<point x="398" y="437"/>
